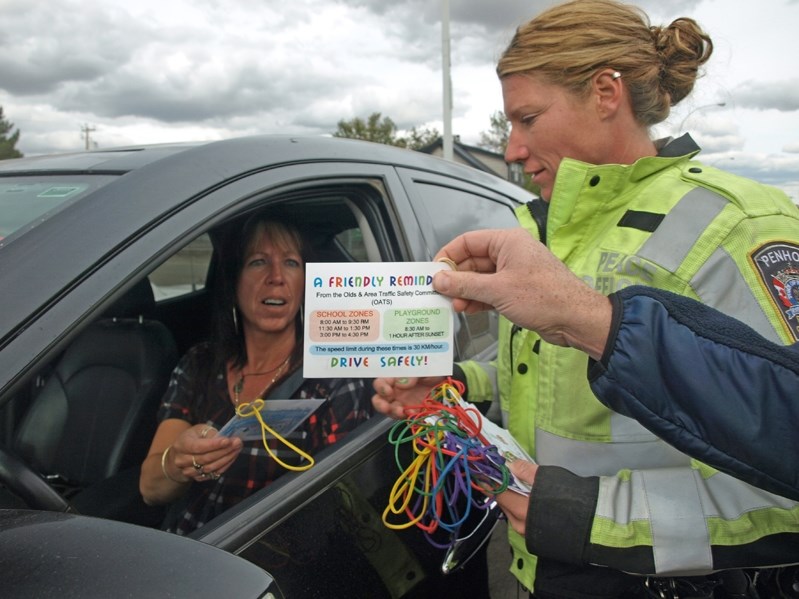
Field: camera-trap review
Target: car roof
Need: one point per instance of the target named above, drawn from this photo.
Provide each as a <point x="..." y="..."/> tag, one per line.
<point x="115" y="160"/>
<point x="258" y="149"/>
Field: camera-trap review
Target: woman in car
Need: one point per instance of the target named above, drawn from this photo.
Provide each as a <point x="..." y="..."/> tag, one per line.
<point x="255" y="347"/>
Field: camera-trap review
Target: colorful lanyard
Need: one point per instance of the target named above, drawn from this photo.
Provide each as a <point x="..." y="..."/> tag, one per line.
<point x="451" y="460"/>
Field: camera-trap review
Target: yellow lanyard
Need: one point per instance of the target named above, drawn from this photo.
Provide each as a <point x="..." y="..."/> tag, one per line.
<point x="254" y="408"/>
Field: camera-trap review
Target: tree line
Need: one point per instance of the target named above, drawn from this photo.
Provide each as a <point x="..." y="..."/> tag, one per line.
<point x="380" y="129"/>
<point x="8" y="140"/>
<point x="375" y="127"/>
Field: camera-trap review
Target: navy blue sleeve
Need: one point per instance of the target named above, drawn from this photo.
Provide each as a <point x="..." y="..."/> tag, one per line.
<point x="705" y="383"/>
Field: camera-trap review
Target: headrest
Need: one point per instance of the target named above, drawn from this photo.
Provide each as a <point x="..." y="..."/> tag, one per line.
<point x="137" y="301"/>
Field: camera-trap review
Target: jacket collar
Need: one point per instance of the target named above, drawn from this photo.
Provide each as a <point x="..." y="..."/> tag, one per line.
<point x="604" y="185"/>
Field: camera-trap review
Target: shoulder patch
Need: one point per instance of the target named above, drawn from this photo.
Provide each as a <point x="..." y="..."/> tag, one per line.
<point x="777" y="266"/>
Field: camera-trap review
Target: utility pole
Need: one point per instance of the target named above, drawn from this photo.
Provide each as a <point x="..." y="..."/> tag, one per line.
<point x="447" y="81"/>
<point x="86" y="131"/>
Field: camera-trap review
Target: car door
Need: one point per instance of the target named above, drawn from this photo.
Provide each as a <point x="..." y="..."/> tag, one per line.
<point x="329" y="520"/>
<point x="376" y="202"/>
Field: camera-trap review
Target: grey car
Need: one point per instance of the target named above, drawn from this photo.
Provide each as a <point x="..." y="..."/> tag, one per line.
<point x="98" y="248"/>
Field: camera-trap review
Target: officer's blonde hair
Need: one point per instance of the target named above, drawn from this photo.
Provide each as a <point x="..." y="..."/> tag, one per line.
<point x="568" y="43"/>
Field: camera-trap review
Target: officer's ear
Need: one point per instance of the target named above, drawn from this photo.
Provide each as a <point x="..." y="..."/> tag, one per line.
<point x="607" y="88"/>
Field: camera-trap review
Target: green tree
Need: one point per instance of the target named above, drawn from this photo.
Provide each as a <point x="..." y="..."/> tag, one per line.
<point x="372" y="129"/>
<point x="7" y="142"/>
<point x="382" y="130"/>
<point x="496" y="138"/>
<point x="419" y="138"/>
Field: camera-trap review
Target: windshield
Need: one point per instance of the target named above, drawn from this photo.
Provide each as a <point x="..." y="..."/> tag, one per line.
<point x="26" y="201"/>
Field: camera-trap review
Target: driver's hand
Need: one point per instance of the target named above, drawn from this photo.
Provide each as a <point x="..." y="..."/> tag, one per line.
<point x="393" y="395"/>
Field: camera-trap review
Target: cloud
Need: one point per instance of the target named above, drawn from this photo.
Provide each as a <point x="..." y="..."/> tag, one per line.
<point x="489" y="15"/>
<point x="765" y="95"/>
<point x="778" y="170"/>
<point x="45" y="44"/>
<point x="152" y="71"/>
<point x="495" y="17"/>
<point x="719" y="143"/>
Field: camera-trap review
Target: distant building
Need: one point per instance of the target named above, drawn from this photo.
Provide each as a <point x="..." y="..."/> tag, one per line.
<point x="479" y="158"/>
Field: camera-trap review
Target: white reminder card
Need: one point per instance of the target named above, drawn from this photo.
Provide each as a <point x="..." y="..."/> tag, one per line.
<point x="370" y="319"/>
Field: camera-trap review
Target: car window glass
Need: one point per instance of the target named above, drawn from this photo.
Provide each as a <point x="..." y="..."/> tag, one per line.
<point x="184" y="272"/>
<point x="26" y="200"/>
<point x="352" y="241"/>
<point x="453" y="212"/>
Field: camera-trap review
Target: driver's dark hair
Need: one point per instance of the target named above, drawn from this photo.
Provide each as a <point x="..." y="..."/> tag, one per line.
<point x="226" y="338"/>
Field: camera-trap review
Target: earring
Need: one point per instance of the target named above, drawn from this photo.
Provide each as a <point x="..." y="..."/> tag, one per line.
<point x="235" y="320"/>
<point x="616" y="75"/>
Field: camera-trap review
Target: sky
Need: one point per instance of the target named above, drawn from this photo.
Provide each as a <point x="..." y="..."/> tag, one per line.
<point x="155" y="71"/>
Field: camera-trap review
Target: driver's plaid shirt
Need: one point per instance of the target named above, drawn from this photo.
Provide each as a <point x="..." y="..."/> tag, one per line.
<point x="348" y="404"/>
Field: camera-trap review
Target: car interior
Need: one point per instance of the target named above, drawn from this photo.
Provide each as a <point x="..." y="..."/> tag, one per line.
<point x="84" y="422"/>
<point x="102" y="389"/>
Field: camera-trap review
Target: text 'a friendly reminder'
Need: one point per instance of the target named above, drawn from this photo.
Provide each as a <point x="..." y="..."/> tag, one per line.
<point x="376" y="319"/>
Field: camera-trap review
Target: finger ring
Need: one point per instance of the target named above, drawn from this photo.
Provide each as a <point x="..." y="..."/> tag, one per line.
<point x="197" y="467"/>
<point x="205" y="430"/>
<point x="448" y="262"/>
<point x="215" y="475"/>
<point x="202" y="475"/>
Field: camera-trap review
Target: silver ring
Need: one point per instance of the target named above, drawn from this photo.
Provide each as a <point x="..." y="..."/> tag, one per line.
<point x="197" y="467"/>
<point x="215" y="475"/>
<point x="205" y="430"/>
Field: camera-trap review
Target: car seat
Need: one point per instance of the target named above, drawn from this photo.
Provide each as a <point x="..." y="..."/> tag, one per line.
<point x="96" y="412"/>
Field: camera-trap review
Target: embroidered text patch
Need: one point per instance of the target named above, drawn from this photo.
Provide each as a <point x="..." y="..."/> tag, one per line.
<point x="777" y="264"/>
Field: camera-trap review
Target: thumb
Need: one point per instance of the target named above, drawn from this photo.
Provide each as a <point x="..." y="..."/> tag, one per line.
<point x="464" y="285"/>
<point x="523" y="470"/>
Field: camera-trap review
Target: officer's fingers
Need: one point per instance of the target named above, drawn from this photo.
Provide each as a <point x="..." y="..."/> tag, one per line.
<point x="472" y="306"/>
<point x="514" y="506"/>
<point x="523" y="470"/>
<point x="474" y="244"/>
<point x="466" y="286"/>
